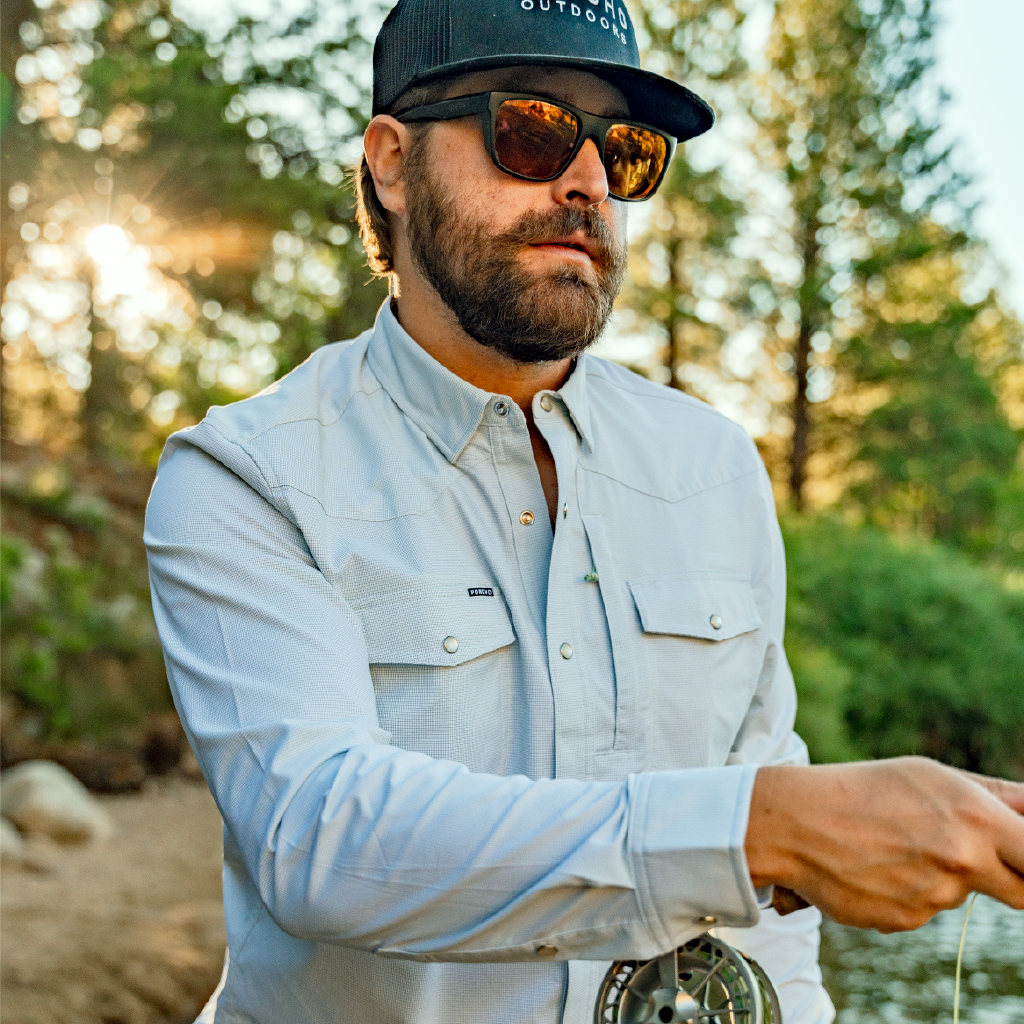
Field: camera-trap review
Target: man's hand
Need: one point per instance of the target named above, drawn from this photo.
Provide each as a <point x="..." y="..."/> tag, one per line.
<point x="887" y="844"/>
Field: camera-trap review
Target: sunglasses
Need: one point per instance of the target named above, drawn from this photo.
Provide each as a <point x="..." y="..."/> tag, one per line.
<point x="535" y="139"/>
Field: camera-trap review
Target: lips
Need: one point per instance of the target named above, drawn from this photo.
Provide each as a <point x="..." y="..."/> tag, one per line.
<point x="579" y="241"/>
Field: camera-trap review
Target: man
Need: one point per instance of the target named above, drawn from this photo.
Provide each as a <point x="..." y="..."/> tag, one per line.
<point x="478" y="638"/>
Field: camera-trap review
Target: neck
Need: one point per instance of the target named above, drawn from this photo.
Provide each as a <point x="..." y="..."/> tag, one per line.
<point x="433" y="326"/>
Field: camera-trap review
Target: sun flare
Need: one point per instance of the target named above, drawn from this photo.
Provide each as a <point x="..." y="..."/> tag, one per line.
<point x="107" y="244"/>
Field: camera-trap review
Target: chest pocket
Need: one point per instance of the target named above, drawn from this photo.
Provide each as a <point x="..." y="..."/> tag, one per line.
<point x="433" y="627"/>
<point x="702" y="647"/>
<point x="441" y="662"/>
<point x="700" y="606"/>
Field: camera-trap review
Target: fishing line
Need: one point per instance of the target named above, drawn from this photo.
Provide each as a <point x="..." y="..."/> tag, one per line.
<point x="960" y="960"/>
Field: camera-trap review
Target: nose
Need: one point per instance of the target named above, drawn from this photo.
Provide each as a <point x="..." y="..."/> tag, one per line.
<point x="584" y="181"/>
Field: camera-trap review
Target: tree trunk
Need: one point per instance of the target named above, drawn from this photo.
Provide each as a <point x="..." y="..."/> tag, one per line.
<point x="801" y="424"/>
<point x="674" y="355"/>
<point x="801" y="419"/>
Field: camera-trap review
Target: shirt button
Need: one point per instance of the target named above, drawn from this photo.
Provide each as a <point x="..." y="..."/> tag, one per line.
<point x="451" y="644"/>
<point x="547" y="952"/>
<point x="546" y="403"/>
<point x="526" y="518"/>
<point x="566" y="651"/>
<point x="716" y="621"/>
<point x="501" y="408"/>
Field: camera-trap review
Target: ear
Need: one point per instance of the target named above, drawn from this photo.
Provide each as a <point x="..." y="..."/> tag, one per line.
<point x="387" y="144"/>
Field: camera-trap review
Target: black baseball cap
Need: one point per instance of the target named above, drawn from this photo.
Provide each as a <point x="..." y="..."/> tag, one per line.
<point x="424" y="39"/>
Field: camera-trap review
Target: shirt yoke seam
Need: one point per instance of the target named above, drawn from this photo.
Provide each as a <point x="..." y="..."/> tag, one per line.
<point x="373" y="519"/>
<point x="246" y="439"/>
<point x="673" y="501"/>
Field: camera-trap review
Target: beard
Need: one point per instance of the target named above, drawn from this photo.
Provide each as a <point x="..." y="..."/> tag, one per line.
<point x="530" y="317"/>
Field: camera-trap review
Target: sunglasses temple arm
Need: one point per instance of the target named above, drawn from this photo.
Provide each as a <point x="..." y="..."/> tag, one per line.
<point x="462" y="106"/>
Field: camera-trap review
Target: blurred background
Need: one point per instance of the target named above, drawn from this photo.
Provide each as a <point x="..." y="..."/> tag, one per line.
<point x="838" y="266"/>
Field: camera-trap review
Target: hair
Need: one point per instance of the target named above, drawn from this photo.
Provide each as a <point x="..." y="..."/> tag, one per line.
<point x="371" y="216"/>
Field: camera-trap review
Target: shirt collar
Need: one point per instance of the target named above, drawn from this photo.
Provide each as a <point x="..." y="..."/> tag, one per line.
<point x="576" y="397"/>
<point x="447" y="408"/>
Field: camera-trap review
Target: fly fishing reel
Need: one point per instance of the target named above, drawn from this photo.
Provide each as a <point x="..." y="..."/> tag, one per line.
<point x="703" y="980"/>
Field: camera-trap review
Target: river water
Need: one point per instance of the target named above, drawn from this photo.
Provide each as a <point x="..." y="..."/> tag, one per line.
<point x="909" y="977"/>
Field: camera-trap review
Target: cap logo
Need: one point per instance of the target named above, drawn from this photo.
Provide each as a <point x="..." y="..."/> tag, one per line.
<point x="610" y="17"/>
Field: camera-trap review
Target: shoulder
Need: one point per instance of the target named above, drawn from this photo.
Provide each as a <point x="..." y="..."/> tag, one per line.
<point x="245" y="435"/>
<point x="319" y="390"/>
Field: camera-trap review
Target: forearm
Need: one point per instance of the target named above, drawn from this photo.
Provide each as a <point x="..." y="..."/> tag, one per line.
<point x="405" y="855"/>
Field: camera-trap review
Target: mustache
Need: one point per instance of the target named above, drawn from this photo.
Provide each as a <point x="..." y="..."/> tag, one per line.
<point x="536" y="227"/>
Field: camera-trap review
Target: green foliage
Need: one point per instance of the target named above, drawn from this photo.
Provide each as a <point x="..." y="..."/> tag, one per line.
<point x="80" y="654"/>
<point x="941" y="449"/>
<point x="916" y="649"/>
<point x="823" y="684"/>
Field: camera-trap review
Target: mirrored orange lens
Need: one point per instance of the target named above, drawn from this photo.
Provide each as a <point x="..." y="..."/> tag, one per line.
<point x="633" y="160"/>
<point x="534" y="138"/>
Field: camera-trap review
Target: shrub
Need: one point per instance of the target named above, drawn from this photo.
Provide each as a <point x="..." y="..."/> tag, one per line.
<point x="903" y="647"/>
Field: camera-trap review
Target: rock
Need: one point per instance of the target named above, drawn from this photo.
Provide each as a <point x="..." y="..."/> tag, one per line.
<point x="12" y="846"/>
<point x="41" y="855"/>
<point x="41" y="797"/>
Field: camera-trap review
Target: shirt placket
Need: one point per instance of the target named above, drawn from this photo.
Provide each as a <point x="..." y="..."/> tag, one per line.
<point x="574" y="740"/>
<point x="524" y="499"/>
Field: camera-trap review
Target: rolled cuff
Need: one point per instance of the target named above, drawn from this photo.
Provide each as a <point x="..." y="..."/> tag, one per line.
<point x="686" y="844"/>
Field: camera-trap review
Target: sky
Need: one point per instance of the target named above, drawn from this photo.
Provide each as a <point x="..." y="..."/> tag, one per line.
<point x="981" y="62"/>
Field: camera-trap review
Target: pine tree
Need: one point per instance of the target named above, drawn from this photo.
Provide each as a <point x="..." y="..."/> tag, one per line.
<point x="236" y="209"/>
<point x="828" y="238"/>
<point x="688" y="286"/>
<point x="847" y="115"/>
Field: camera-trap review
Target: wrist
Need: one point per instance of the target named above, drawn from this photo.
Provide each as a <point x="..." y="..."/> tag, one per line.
<point x="771" y="844"/>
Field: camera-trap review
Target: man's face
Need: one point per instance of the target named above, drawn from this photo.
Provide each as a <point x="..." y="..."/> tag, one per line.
<point x="530" y="269"/>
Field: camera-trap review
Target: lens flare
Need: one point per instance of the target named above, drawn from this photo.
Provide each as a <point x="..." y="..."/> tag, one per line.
<point x="107" y="244"/>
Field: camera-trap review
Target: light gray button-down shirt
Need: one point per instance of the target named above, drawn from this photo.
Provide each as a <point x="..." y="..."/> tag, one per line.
<point x="465" y="759"/>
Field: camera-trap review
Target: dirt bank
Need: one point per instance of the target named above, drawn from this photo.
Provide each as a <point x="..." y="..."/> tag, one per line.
<point x="130" y="932"/>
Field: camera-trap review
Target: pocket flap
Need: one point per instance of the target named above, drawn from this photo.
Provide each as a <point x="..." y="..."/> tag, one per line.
<point x="446" y="627"/>
<point x="698" y="605"/>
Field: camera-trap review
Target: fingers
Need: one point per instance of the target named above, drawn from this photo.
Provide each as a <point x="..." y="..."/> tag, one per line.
<point x="1002" y="882"/>
<point x="991" y="857"/>
<point x="1010" y="793"/>
<point x="1010" y="850"/>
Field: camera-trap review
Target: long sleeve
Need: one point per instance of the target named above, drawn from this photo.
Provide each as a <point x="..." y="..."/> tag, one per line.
<point x="353" y="841"/>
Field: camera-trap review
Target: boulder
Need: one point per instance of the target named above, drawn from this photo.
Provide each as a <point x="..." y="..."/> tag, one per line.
<point x="12" y="846"/>
<point x="40" y="797"/>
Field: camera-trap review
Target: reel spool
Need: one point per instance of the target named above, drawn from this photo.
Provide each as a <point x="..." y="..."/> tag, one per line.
<point x="704" y="981"/>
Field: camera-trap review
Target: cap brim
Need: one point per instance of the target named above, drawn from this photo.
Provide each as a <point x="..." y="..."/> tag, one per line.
<point x="652" y="98"/>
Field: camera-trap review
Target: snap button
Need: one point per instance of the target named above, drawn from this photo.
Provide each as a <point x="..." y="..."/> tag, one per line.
<point x="710" y="919"/>
<point x="526" y="518"/>
<point x="451" y="644"/>
<point x="501" y="408"/>
<point x="566" y="651"/>
<point x="546" y="403"/>
<point x="716" y="621"/>
<point x="547" y="952"/>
